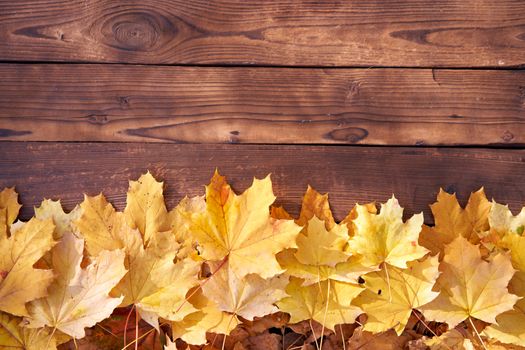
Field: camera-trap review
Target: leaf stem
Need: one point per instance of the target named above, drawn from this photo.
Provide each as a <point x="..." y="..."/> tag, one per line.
<point x="477" y="333"/>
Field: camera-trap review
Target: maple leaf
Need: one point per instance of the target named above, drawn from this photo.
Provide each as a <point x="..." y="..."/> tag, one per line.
<point x="152" y="269"/>
<point x="506" y="232"/>
<point x="209" y="318"/>
<point x="327" y="302"/>
<point x="352" y="215"/>
<point x="239" y="228"/>
<point x="145" y="207"/>
<point x="78" y="298"/>
<point x="470" y="286"/>
<point x="510" y="325"/>
<point x="18" y="253"/>
<point x="9" y="208"/>
<point x="451" y="220"/>
<point x="384" y="238"/>
<point x="410" y="288"/>
<point x="321" y="251"/>
<point x="13" y="336"/>
<point x="315" y="204"/>
<point x="248" y="296"/>
<point x="169" y="301"/>
<point x="50" y="209"/>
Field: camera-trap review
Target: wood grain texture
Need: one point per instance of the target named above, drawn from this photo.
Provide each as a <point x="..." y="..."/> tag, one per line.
<point x="59" y="102"/>
<point x="424" y="33"/>
<point x="350" y="174"/>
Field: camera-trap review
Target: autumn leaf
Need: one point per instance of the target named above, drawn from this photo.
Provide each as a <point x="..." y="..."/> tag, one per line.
<point x="18" y="253"/>
<point x="385" y="238"/>
<point x="321" y="251"/>
<point x="145" y="207"/>
<point x="9" y="208"/>
<point x="321" y="255"/>
<point x="169" y="301"/>
<point x="78" y="298"/>
<point x="507" y="232"/>
<point x="451" y="220"/>
<point x="13" y="336"/>
<point x="239" y="228"/>
<point x="50" y="209"/>
<point x="470" y="286"/>
<point x="315" y="204"/>
<point x="248" y="296"/>
<point x="153" y="270"/>
<point x="327" y="302"/>
<point x="208" y="318"/>
<point x="410" y="289"/>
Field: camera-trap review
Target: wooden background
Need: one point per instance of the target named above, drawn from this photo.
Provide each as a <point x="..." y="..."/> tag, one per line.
<point x="360" y="98"/>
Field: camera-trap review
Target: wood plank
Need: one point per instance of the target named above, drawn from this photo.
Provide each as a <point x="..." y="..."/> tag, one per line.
<point x="422" y="33"/>
<point x="350" y="174"/>
<point x="56" y="102"/>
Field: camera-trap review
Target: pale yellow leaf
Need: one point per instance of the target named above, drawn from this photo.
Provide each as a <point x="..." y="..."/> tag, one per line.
<point x="248" y="296"/>
<point x="13" y="336"/>
<point x="389" y="299"/>
<point x="470" y="286"/>
<point x="50" y="209"/>
<point x="18" y="253"/>
<point x="385" y="238"/>
<point x="145" y="207"/>
<point x="78" y="298"/>
<point x="327" y="302"/>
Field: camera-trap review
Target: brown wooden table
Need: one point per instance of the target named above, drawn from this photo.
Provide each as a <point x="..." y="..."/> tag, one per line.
<point x="360" y="98"/>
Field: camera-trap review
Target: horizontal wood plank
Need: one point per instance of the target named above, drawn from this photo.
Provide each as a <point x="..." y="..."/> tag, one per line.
<point x="424" y="33"/>
<point x="349" y="174"/>
<point x="55" y="102"/>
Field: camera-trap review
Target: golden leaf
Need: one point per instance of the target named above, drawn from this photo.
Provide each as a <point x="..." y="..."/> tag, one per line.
<point x="470" y="286"/>
<point x="239" y="228"/>
<point x="18" y="253"/>
<point x="452" y="221"/>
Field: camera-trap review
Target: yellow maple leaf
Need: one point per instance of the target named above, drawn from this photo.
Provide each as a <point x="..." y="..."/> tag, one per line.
<point x="209" y="318"/>
<point x="13" y="336"/>
<point x="248" y="296"/>
<point x="451" y="220"/>
<point x="145" y="207"/>
<point x="9" y="208"/>
<point x="321" y="251"/>
<point x="410" y="289"/>
<point x="470" y="286"/>
<point x="18" y="253"/>
<point x="352" y="215"/>
<point x="78" y="298"/>
<point x="510" y="325"/>
<point x="327" y="302"/>
<point x="385" y="238"/>
<point x="169" y="301"/>
<point x="50" y="209"/>
<point x="239" y="228"/>
<point x="153" y="269"/>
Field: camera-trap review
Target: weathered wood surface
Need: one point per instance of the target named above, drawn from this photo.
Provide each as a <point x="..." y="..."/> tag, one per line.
<point x="424" y="33"/>
<point x="350" y="174"/>
<point x="59" y="102"/>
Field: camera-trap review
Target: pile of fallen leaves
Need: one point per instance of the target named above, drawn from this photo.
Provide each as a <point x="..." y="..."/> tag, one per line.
<point x="227" y="264"/>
